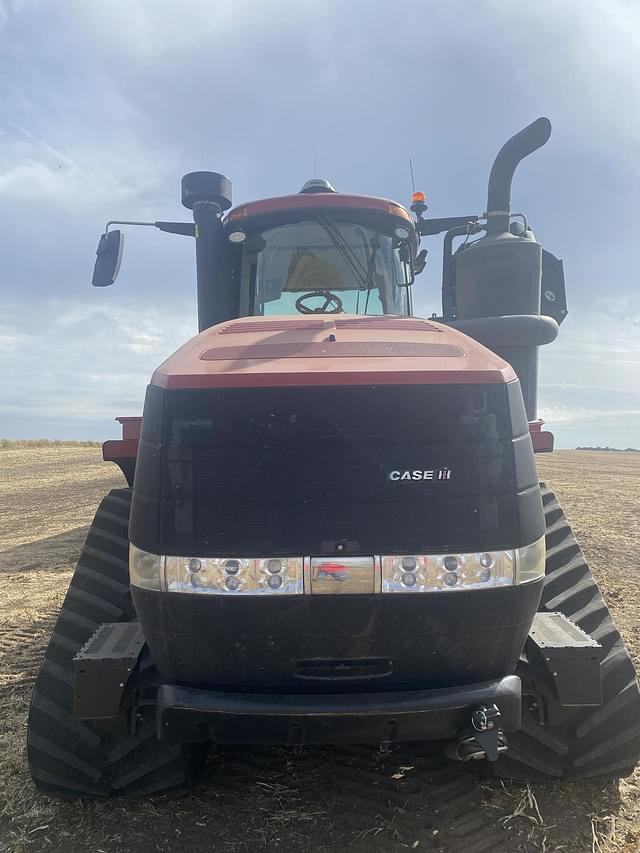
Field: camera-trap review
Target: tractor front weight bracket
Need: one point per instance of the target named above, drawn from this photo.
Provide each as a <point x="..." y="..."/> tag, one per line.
<point x="102" y="668"/>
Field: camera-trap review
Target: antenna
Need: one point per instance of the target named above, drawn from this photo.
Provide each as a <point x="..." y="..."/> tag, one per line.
<point x="418" y="201"/>
<point x="413" y="182"/>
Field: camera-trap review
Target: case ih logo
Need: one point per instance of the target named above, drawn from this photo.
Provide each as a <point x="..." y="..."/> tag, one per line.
<point x="433" y="474"/>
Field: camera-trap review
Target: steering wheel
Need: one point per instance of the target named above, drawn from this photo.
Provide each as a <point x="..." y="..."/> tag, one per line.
<point x="330" y="299"/>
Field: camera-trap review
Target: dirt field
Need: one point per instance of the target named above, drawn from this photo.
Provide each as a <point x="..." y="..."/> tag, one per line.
<point x="349" y="799"/>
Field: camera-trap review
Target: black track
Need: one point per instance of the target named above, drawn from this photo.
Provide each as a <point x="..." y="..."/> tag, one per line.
<point x="595" y="742"/>
<point x="69" y="758"/>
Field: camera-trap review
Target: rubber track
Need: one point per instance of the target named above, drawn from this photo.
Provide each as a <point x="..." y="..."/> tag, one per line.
<point x="595" y="742"/>
<point x="70" y="758"/>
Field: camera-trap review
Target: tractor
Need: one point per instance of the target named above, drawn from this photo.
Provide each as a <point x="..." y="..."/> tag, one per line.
<point x="332" y="529"/>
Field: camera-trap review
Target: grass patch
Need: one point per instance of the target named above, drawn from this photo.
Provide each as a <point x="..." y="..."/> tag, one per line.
<point x="18" y="443"/>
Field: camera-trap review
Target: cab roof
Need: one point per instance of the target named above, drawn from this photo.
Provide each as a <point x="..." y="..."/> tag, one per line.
<point x="313" y="201"/>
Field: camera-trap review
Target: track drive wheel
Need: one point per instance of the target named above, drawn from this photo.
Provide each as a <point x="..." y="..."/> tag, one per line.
<point x="594" y="742"/>
<point x="70" y="758"/>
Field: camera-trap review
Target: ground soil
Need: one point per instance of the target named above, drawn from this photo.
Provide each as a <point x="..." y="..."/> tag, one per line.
<point x="350" y="799"/>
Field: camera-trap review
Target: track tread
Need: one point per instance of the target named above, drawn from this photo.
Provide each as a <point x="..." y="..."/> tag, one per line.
<point x="94" y="579"/>
<point x="74" y="623"/>
<point x="104" y="556"/>
<point x="70" y="758"/>
<point x="624" y="698"/>
<point x="593" y="742"/>
<point x="63" y="718"/>
<point x="116" y="519"/>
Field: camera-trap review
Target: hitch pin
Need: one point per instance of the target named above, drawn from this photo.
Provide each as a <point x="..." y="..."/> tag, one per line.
<point x="482" y="719"/>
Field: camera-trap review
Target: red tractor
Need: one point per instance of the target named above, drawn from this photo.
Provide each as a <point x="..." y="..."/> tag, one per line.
<point x="333" y="529"/>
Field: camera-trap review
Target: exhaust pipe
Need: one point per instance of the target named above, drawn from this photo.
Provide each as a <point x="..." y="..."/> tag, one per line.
<point x="504" y="166"/>
<point x="494" y="290"/>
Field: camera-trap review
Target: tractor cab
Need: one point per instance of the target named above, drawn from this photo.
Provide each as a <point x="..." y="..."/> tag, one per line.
<point x="321" y="252"/>
<point x="315" y="252"/>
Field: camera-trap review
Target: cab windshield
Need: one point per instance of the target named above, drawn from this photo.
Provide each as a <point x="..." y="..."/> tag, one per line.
<point x="323" y="266"/>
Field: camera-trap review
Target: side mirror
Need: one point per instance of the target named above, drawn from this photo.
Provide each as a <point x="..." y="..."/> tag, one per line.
<point x="108" y="257"/>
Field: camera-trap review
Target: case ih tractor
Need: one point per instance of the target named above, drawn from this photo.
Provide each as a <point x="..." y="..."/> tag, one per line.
<point x="333" y="529"/>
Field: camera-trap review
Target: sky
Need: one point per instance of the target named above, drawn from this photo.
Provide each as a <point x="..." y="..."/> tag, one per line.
<point x="106" y="104"/>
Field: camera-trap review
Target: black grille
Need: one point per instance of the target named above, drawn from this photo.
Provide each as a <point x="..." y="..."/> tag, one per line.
<point x="299" y="471"/>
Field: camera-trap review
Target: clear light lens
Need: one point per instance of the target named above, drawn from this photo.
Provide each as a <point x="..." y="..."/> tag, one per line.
<point x="402" y="232"/>
<point x="145" y="569"/>
<point x="444" y="572"/>
<point x="235" y="575"/>
<point x="237" y="237"/>
<point x="284" y="575"/>
<point x="531" y="561"/>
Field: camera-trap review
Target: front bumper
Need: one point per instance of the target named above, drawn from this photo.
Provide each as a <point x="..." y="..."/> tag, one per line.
<point x="188" y="713"/>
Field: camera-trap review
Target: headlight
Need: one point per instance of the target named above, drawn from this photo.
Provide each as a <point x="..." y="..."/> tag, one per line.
<point x="145" y="570"/>
<point x="481" y="570"/>
<point x="285" y="575"/>
<point x="531" y="561"/>
<point x="234" y="575"/>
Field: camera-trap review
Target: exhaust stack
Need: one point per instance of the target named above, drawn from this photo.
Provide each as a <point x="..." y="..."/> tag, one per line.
<point x="528" y="140"/>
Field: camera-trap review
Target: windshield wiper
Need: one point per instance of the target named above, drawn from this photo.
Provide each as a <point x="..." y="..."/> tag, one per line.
<point x="372" y="283"/>
<point x="362" y="274"/>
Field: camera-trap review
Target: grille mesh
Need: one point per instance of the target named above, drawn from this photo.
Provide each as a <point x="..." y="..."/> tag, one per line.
<point x="295" y="471"/>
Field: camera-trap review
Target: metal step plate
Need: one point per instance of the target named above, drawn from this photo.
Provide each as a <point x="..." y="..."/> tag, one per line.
<point x="556" y="631"/>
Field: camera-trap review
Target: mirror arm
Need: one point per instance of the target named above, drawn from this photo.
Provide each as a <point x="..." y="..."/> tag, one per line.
<point x="126" y="222"/>
<point x="186" y="228"/>
<point x="109" y="251"/>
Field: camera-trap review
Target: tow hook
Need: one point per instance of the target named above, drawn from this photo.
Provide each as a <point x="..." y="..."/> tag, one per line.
<point x="482" y="739"/>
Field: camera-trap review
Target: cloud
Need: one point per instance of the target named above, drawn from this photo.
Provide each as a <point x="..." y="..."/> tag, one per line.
<point x="79" y="365"/>
<point x="106" y="104"/>
<point x="69" y="175"/>
<point x="590" y="376"/>
<point x="80" y="362"/>
<point x="149" y="30"/>
<point x="575" y="418"/>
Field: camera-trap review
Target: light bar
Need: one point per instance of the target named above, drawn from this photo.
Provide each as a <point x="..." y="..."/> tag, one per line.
<point x="408" y="573"/>
<point x="233" y="576"/>
<point x="450" y="572"/>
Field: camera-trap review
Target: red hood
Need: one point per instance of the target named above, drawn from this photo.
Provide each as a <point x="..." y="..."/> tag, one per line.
<point x="323" y="350"/>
